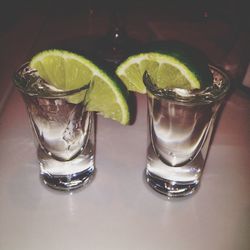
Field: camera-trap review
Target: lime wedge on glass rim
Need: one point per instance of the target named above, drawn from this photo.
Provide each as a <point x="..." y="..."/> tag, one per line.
<point x="166" y="70"/>
<point x="68" y="71"/>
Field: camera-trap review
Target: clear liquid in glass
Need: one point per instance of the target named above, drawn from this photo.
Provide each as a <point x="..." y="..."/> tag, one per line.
<point x="180" y="128"/>
<point x="64" y="131"/>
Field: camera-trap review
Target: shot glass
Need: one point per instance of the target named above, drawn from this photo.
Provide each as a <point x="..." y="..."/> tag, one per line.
<point x="63" y="128"/>
<point x="180" y="125"/>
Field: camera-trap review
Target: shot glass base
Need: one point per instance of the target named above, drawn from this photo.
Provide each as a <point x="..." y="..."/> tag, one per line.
<point x="68" y="182"/>
<point x="173" y="181"/>
<point x="170" y="188"/>
<point x="67" y="175"/>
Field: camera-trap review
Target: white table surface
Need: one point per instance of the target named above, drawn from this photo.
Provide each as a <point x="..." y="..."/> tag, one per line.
<point x="118" y="211"/>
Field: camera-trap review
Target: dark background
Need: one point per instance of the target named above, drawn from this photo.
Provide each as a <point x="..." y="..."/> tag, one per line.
<point x="229" y="23"/>
<point x="234" y="11"/>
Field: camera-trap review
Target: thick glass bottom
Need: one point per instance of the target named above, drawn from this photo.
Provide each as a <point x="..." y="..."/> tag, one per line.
<point x="67" y="175"/>
<point x="170" y="188"/>
<point x="68" y="182"/>
<point x="173" y="181"/>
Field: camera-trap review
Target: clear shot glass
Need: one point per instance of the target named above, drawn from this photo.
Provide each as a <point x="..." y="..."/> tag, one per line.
<point x="180" y="125"/>
<point x="64" y="130"/>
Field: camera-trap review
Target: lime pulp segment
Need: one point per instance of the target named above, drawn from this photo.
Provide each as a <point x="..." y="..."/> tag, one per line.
<point x="68" y="71"/>
<point x="166" y="71"/>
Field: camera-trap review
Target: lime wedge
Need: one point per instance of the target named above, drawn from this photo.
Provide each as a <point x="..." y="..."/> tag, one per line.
<point x="167" y="70"/>
<point x="69" y="71"/>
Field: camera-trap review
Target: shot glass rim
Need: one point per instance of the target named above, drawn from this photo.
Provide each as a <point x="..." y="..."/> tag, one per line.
<point x="191" y="96"/>
<point x="51" y="94"/>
